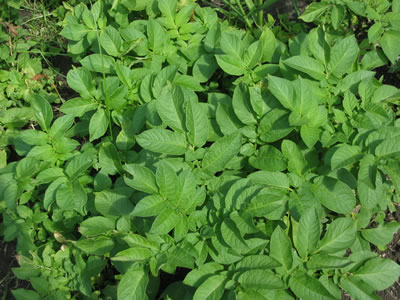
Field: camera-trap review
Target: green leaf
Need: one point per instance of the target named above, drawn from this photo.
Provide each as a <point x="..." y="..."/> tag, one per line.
<point x="343" y="55"/>
<point x="43" y="111"/>
<point x="345" y="155"/>
<point x="326" y="261"/>
<point x="170" y="108"/>
<point x="165" y="222"/>
<point x="150" y="206"/>
<point x="274" y="179"/>
<point x="297" y="163"/>
<point x="196" y="124"/>
<point x="357" y="289"/>
<point x="133" y="285"/>
<point x="253" y="262"/>
<point x="133" y="254"/>
<point x="23" y="294"/>
<point x="334" y="194"/>
<point x="98" y="124"/>
<point x="388" y="148"/>
<point x="77" y="165"/>
<point x="283" y="90"/>
<point x="96" y="225"/>
<point x="221" y="152"/>
<point x="340" y="235"/>
<point x="96" y="246"/>
<point x="211" y="289"/>
<point x="309" y="231"/>
<point x="306" y="65"/>
<point x="269" y="41"/>
<point x="227" y="121"/>
<point x="260" y="279"/>
<point x="113" y="202"/>
<point x="232" y="236"/>
<point x="242" y="106"/>
<point x="271" y="206"/>
<point x="143" y="178"/>
<point x="337" y="15"/>
<point x="281" y="248"/>
<point x="157" y="36"/>
<point x="167" y="180"/>
<point x="390" y="42"/>
<point x="309" y="135"/>
<point x="163" y="141"/>
<point x="268" y="158"/>
<point x="74" y="32"/>
<point x="80" y="80"/>
<point x="382" y="235"/>
<point x="314" y="11"/>
<point x="110" y="39"/>
<point x="379" y="273"/>
<point x="71" y="196"/>
<point x="98" y="63"/>
<point x="204" y="67"/>
<point x="305" y="286"/>
<point x="231" y="64"/>
<point x="78" y="106"/>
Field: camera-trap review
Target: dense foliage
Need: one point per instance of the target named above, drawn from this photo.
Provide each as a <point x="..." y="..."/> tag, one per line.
<point x="254" y="167"/>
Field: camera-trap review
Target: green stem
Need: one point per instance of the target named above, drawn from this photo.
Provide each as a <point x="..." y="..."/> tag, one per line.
<point x="260" y="14"/>
<point x="244" y="16"/>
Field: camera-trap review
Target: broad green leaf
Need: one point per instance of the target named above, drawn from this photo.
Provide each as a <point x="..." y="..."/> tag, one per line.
<point x="357" y="289"/>
<point x="306" y="65"/>
<point x="96" y="246"/>
<point x="150" y="206"/>
<point x="165" y="222"/>
<point x="71" y="196"/>
<point x="379" y="273"/>
<point x="231" y="64"/>
<point x="110" y="39"/>
<point x="43" y="111"/>
<point x="368" y="171"/>
<point x="80" y="80"/>
<point x="309" y="135"/>
<point x="221" y="152"/>
<point x="269" y="42"/>
<point x="167" y="180"/>
<point x="343" y="55"/>
<point x="227" y="121"/>
<point x="98" y="63"/>
<point x="77" y="165"/>
<point x="253" y="262"/>
<point x="114" y="202"/>
<point x="204" y="67"/>
<point x="260" y="279"/>
<point x="186" y="188"/>
<point x="268" y="158"/>
<point x="157" y="36"/>
<point x="340" y="235"/>
<point x="133" y="254"/>
<point x="168" y="10"/>
<point x="143" y="178"/>
<point x="334" y="194"/>
<point x="381" y="235"/>
<point x="270" y="206"/>
<point x="305" y="286"/>
<point x="78" y="106"/>
<point x="274" y="126"/>
<point x="198" y="275"/>
<point x="60" y="126"/>
<point x="337" y="15"/>
<point x="326" y="261"/>
<point x="133" y="285"/>
<point x="211" y="289"/>
<point x="345" y="155"/>
<point x="388" y="148"/>
<point x="283" y="90"/>
<point x="242" y="106"/>
<point x="163" y="141"/>
<point x="281" y="248"/>
<point x="196" y="124"/>
<point x="136" y="240"/>
<point x="274" y="179"/>
<point x="96" y="225"/>
<point x="74" y="32"/>
<point x="232" y="236"/>
<point x="390" y="44"/>
<point x="314" y="11"/>
<point x="98" y="124"/>
<point x="23" y="294"/>
<point x="170" y="108"/>
<point x="308" y="234"/>
<point x="296" y="161"/>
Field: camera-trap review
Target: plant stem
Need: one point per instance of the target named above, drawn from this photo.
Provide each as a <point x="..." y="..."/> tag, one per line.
<point x="260" y="14"/>
<point x="244" y="16"/>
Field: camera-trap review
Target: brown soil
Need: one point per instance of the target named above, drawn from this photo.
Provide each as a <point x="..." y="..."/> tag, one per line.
<point x="8" y="281"/>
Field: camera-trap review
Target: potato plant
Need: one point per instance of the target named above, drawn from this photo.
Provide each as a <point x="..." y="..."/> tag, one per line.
<point x="257" y="168"/>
